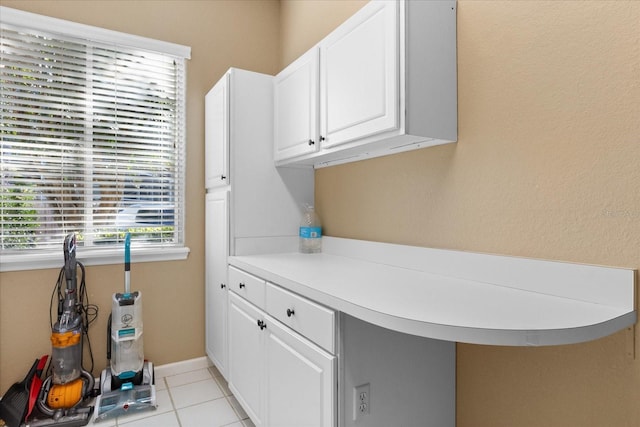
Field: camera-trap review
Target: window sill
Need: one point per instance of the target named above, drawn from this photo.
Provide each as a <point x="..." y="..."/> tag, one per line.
<point x="100" y="257"/>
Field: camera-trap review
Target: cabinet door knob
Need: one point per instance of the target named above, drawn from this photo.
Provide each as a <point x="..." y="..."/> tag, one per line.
<point x="261" y="324"/>
<point x="222" y="177"/>
<point x="242" y="285"/>
<point x="222" y="286"/>
<point x="322" y="138"/>
<point x="311" y="142"/>
<point x="290" y="312"/>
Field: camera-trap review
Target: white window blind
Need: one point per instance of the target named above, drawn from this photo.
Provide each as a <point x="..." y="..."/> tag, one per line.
<point x="92" y="140"/>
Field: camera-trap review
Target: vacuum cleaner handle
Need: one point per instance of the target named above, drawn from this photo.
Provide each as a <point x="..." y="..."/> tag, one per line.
<point x="109" y="338"/>
<point x="70" y="261"/>
<point x="127" y="263"/>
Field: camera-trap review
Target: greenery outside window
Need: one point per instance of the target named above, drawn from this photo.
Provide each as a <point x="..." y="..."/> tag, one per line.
<point x="92" y="127"/>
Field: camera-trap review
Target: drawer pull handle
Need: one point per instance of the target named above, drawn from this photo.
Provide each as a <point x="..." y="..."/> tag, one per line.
<point x="242" y="285"/>
<point x="290" y="312"/>
<point x="222" y="286"/>
<point x="261" y="324"/>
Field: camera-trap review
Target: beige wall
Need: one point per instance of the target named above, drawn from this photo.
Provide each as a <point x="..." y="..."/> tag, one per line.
<point x="221" y="34"/>
<point x="546" y="165"/>
<point x="304" y="23"/>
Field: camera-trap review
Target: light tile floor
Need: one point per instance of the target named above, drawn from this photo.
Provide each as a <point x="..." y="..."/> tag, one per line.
<point x="197" y="398"/>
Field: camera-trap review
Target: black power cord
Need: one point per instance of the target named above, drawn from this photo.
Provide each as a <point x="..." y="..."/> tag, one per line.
<point x="88" y="312"/>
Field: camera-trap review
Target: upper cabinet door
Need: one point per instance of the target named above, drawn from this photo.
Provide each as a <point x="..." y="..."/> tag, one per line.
<point x="359" y="75"/>
<point x="217" y="134"/>
<point x="296" y="130"/>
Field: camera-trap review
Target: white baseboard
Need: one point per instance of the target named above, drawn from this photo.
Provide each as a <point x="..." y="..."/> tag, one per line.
<point x="181" y="367"/>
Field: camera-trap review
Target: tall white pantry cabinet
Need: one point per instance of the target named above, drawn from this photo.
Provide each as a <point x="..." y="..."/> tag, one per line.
<point x="251" y="206"/>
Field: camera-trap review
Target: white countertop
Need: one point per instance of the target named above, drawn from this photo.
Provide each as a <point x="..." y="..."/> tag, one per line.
<point x="430" y="293"/>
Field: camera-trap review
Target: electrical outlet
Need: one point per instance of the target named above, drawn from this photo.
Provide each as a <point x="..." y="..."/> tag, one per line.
<point x="361" y="401"/>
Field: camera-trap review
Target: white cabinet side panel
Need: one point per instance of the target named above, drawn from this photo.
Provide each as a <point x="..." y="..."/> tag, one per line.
<point x="431" y="64"/>
<point x="412" y="379"/>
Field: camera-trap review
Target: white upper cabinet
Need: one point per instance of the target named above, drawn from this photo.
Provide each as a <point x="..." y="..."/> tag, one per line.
<point x="264" y="203"/>
<point x="296" y="108"/>
<point x="359" y="73"/>
<point x="217" y="134"/>
<point x="387" y="83"/>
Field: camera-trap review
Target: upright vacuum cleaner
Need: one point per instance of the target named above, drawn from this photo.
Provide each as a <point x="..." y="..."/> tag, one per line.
<point x="128" y="384"/>
<point x="63" y="397"/>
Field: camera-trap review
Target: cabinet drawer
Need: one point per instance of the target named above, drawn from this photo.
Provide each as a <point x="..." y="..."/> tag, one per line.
<point x="313" y="321"/>
<point x="247" y="286"/>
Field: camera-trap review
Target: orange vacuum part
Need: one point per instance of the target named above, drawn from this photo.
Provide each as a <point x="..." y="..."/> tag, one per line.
<point x="65" y="339"/>
<point x="64" y="396"/>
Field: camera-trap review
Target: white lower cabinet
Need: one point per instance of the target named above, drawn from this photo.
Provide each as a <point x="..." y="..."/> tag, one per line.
<point x="217" y="250"/>
<point x="281" y="378"/>
<point x="300" y="380"/>
<point x="246" y="356"/>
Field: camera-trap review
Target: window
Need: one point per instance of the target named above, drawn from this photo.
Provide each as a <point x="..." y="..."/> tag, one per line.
<point x="92" y="139"/>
